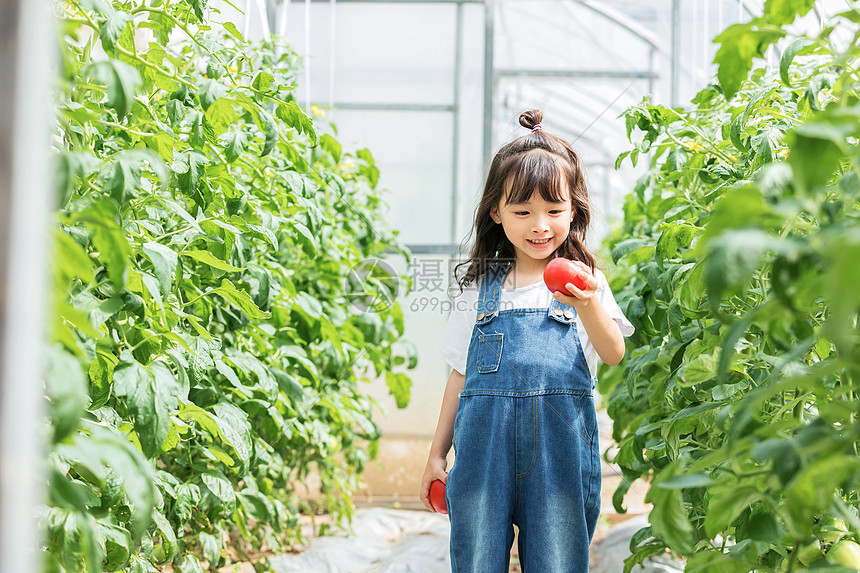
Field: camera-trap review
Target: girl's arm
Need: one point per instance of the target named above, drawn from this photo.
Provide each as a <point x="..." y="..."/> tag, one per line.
<point x="437" y="461"/>
<point x="603" y="331"/>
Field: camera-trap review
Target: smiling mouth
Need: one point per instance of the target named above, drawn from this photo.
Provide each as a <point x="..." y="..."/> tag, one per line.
<point x="540" y="242"/>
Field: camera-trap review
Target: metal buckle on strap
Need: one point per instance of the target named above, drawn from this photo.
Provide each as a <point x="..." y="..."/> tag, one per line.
<point x="489" y="309"/>
<point x="561" y="312"/>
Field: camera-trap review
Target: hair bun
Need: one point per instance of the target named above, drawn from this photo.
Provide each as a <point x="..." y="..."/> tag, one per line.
<point x="529" y="119"/>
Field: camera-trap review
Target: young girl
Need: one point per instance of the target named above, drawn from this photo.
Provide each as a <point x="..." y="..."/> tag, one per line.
<point x="518" y="407"/>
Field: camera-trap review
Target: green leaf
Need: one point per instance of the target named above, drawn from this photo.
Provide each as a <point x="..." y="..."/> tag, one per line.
<point x="291" y="114"/>
<point x="739" y="44"/>
<point x="270" y="131"/>
<point x="675" y="235"/>
<point x="668" y="518"/>
<point x="399" y="386"/>
<point x="842" y="296"/>
<point x="231" y="28"/>
<point x="80" y="548"/>
<point x="676" y="318"/>
<point x="110" y="242"/>
<point x="262" y="81"/>
<point x="636" y="249"/>
<point x="305" y="238"/>
<point x="788" y="57"/>
<point x="219" y="485"/>
<point x="700" y="369"/>
<point x="190" y="169"/>
<point x="101" y="378"/>
<point x="199" y="6"/>
<point x="331" y="145"/>
<point x="141" y="565"/>
<point x="686" y="481"/>
<point x="740" y="207"/>
<point x="112" y="28"/>
<point x="175" y="111"/>
<point x="70" y="260"/>
<point x="732" y="259"/>
<point x="817" y="146"/>
<point x="736" y="132"/>
<point x="169" y="546"/>
<point x="202" y="132"/>
<point x="164" y="261"/>
<point x="101" y="451"/>
<point x="783" y="12"/>
<point x="122" y="81"/>
<point x="716" y="562"/>
<point x="764" y="142"/>
<point x="235" y="144"/>
<point x="641" y="553"/>
<point x="811" y="491"/>
<point x="211" y="260"/>
<point x="187" y="497"/>
<point x="121" y="177"/>
<point x="241" y="299"/>
<point x="209" y="91"/>
<point x="67" y="390"/>
<point x="236" y="432"/>
<point x="97" y="6"/>
<point x="69" y="167"/>
<point x="150" y="393"/>
<point x="161" y="143"/>
<point x="221" y="115"/>
<point x="190" y="564"/>
<point x="726" y="504"/>
<point x="117" y="543"/>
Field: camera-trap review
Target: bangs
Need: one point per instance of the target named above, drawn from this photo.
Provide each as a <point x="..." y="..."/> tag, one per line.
<point x="541" y="171"/>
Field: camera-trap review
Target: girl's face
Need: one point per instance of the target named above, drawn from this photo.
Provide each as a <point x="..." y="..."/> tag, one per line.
<point x="536" y="228"/>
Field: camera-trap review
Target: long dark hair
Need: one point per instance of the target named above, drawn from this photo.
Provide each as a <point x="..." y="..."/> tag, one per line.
<point x="540" y="161"/>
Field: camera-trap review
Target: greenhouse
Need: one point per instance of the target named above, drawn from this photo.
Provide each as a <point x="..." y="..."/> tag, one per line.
<point x="268" y="268"/>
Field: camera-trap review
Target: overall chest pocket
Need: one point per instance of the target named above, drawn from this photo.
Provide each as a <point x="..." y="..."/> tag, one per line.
<point x="489" y="351"/>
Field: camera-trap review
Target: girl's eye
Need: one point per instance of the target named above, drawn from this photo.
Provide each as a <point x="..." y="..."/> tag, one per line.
<point x="556" y="211"/>
<point x="521" y="212"/>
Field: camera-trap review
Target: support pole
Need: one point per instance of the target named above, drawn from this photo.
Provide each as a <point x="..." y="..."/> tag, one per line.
<point x="455" y="158"/>
<point x="307" y="57"/>
<point x="27" y="42"/>
<point x="676" y="52"/>
<point x="651" y="73"/>
<point x="332" y="45"/>
<point x="489" y="39"/>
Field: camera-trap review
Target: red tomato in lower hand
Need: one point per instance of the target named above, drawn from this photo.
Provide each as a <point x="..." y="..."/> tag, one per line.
<point x="559" y="272"/>
<point x="437" y="496"/>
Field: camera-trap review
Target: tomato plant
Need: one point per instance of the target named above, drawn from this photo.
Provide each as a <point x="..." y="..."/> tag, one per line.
<point x="205" y="359"/>
<point x="737" y="264"/>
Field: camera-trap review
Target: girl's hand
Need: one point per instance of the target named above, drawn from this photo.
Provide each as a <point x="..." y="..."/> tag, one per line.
<point x="580" y="298"/>
<point x="435" y="469"/>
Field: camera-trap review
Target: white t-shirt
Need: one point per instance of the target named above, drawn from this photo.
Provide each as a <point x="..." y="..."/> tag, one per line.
<point x="454" y="347"/>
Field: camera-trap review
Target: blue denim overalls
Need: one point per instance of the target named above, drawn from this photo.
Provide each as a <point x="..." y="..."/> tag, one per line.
<point x="525" y="442"/>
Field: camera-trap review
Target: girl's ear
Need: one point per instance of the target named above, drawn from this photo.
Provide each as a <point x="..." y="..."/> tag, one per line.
<point x="494" y="215"/>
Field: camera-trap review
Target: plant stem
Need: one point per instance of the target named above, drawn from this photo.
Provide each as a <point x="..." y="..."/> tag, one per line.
<point x="184" y="28"/>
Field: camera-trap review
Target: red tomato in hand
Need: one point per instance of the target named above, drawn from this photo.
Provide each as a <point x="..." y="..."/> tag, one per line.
<point x="437" y="496"/>
<point x="559" y="272"/>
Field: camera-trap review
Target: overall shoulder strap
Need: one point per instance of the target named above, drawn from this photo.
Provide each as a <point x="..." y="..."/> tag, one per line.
<point x="490" y="293"/>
